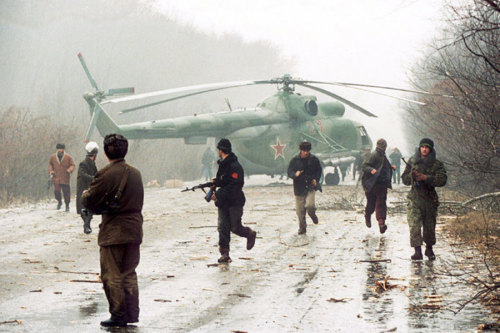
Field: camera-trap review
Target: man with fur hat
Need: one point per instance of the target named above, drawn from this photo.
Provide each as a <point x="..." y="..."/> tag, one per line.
<point x="61" y="165"/>
<point x="423" y="173"/>
<point x="117" y="193"/>
<point x="230" y="199"/>
<point x="305" y="170"/>
<point x="86" y="172"/>
<point x="376" y="179"/>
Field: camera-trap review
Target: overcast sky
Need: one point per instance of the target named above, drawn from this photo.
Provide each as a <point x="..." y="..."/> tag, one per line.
<point x="363" y="41"/>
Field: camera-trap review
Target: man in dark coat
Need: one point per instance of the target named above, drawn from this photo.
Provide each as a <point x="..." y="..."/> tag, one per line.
<point x="61" y="165"/>
<point x="376" y="179"/>
<point x="395" y="158"/>
<point x="424" y="173"/>
<point x="230" y="199"/>
<point x="86" y="172"/>
<point x="117" y="193"/>
<point x="208" y="160"/>
<point x="305" y="170"/>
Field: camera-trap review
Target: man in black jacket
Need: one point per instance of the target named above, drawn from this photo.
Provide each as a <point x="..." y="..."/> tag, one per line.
<point x="230" y="199"/>
<point x="376" y="179"/>
<point x="86" y="172"/>
<point x="305" y="170"/>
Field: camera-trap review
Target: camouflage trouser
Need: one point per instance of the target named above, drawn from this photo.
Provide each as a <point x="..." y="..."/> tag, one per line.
<point x="303" y="204"/>
<point x="420" y="216"/>
<point x="119" y="279"/>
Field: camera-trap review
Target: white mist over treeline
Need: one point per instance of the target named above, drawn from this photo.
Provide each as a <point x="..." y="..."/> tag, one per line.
<point x="125" y="43"/>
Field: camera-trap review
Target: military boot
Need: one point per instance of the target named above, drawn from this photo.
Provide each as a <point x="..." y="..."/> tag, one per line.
<point x="251" y="240"/>
<point x="224" y="258"/>
<point x="86" y="227"/>
<point x="59" y="204"/>
<point x="429" y="253"/>
<point x="114" y="322"/>
<point x="382" y="226"/>
<point x="368" y="221"/>
<point x="418" y="254"/>
<point x="67" y="208"/>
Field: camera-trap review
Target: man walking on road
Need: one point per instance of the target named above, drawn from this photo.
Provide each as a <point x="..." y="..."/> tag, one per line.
<point x="423" y="173"/>
<point x="117" y="193"/>
<point x="230" y="199"/>
<point x="376" y="179"/>
<point x="61" y="165"/>
<point x="86" y="172"/>
<point x="305" y="170"/>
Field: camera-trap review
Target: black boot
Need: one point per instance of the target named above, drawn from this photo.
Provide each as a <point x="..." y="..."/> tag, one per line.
<point x="368" y="221"/>
<point x="86" y="227"/>
<point x="429" y="253"/>
<point x="418" y="253"/>
<point x="67" y="208"/>
<point x="114" y="322"/>
<point x="382" y="226"/>
<point x="251" y="240"/>
<point x="59" y="204"/>
<point x="224" y="258"/>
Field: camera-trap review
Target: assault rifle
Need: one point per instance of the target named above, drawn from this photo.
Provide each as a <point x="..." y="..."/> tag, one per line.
<point x="208" y="195"/>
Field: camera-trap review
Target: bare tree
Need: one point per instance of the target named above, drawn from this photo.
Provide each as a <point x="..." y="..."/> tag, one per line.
<point x="466" y="128"/>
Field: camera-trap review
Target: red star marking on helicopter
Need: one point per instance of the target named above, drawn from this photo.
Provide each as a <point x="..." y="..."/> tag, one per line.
<point x="278" y="149"/>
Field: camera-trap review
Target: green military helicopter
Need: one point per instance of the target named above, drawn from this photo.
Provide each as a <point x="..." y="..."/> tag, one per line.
<point x="265" y="137"/>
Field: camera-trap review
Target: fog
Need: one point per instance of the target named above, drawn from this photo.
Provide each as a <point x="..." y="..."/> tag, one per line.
<point x="153" y="45"/>
<point x="125" y="43"/>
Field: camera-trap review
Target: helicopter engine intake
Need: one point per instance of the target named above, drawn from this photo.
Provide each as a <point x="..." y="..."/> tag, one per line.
<point x="311" y="107"/>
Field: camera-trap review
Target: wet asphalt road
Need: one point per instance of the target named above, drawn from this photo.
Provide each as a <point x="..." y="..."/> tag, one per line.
<point x="324" y="281"/>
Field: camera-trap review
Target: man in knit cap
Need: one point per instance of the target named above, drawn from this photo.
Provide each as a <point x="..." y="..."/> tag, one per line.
<point x="423" y="173"/>
<point x="376" y="179"/>
<point x="230" y="199"/>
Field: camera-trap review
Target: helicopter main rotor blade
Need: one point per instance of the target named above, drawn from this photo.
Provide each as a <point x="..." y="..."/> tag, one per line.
<point x="387" y="95"/>
<point x="351" y="85"/>
<point x="184" y="96"/>
<point x="341" y="99"/>
<point x="84" y="65"/>
<point x="208" y="87"/>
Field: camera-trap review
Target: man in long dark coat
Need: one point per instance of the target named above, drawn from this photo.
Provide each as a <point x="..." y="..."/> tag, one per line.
<point x="117" y="193"/>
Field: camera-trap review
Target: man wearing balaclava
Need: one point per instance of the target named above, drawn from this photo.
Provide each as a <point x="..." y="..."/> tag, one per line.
<point x="230" y="199"/>
<point x="423" y="173"/>
<point x="61" y="165"/>
<point x="376" y="179"/>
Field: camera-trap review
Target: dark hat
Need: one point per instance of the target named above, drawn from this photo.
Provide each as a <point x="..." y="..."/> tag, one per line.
<point x="427" y="143"/>
<point x="224" y="145"/>
<point x="60" y="146"/>
<point x="381" y="144"/>
<point x="305" y="146"/>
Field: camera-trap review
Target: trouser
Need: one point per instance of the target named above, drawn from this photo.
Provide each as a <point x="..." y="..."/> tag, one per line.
<point x="230" y="221"/>
<point x="303" y="204"/>
<point x="119" y="279"/>
<point x="396" y="175"/>
<point x="208" y="172"/>
<point x="422" y="217"/>
<point x="376" y="201"/>
<point x="66" y="192"/>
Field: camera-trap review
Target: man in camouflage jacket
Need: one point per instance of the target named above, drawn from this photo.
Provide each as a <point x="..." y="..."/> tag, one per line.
<point x="423" y="172"/>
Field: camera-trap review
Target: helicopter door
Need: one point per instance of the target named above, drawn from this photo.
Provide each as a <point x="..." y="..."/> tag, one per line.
<point x="365" y="139"/>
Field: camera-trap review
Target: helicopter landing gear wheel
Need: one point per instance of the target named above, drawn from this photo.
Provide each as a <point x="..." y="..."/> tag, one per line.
<point x="332" y="179"/>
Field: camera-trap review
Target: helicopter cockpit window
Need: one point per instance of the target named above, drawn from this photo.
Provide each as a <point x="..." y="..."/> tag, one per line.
<point x="364" y="136"/>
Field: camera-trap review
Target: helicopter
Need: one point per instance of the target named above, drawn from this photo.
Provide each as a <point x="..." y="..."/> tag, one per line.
<point x="266" y="137"/>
